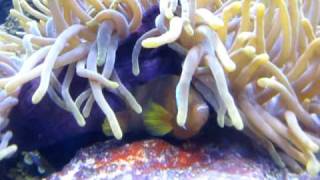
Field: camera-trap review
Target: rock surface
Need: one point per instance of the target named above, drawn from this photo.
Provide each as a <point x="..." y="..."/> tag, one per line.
<point x="158" y="159"/>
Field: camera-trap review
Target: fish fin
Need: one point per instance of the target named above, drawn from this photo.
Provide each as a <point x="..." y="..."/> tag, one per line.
<point x="157" y="120"/>
<point x="106" y="129"/>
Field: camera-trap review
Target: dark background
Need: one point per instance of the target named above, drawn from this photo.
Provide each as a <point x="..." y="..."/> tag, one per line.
<point x="4" y="9"/>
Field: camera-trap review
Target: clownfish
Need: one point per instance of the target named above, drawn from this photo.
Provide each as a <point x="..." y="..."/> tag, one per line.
<point x="158" y="118"/>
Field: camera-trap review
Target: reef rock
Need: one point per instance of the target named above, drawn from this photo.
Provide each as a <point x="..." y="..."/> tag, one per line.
<point x="158" y="159"/>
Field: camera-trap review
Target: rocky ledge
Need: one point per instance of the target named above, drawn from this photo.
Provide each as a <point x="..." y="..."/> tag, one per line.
<point x="158" y="159"/>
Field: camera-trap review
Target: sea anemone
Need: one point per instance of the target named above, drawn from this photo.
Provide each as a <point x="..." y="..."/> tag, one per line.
<point x="264" y="73"/>
<point x="8" y="68"/>
<point x="260" y="75"/>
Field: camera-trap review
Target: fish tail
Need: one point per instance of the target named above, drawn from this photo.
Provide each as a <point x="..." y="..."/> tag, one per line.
<point x="106" y="129"/>
<point x="157" y="120"/>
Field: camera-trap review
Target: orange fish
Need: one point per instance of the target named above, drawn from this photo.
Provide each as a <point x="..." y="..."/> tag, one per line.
<point x="158" y="102"/>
